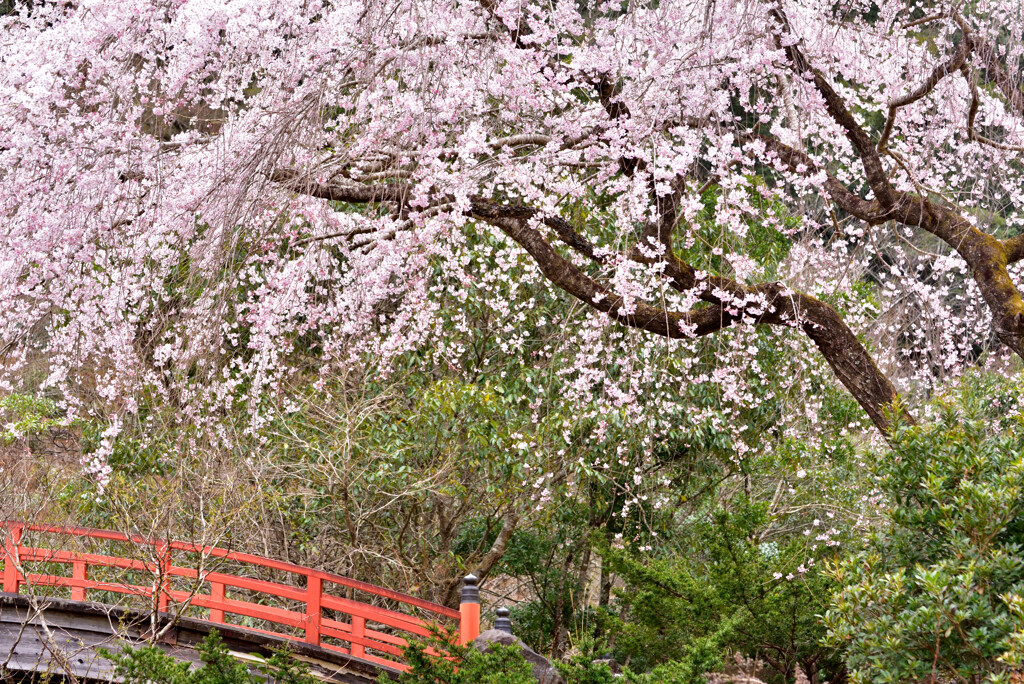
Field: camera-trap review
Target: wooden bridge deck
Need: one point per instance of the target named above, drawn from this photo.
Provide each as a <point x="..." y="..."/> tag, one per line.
<point x="60" y="637"/>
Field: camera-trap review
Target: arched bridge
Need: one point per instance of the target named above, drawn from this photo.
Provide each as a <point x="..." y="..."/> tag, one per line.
<point x="69" y="590"/>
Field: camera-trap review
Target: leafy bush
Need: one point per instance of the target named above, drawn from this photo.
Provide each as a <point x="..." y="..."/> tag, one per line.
<point x="506" y="665"/>
<point x="151" y="664"/>
<point x="463" y="664"/>
<point x="935" y="593"/>
<point x="703" y="655"/>
<point x="750" y="585"/>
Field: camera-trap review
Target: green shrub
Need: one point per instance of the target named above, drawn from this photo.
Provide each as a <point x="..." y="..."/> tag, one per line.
<point x="463" y="664"/>
<point x="935" y="592"/>
<point x="733" y="592"/>
<point x="151" y="664"/>
<point x="702" y="656"/>
<point x="506" y="665"/>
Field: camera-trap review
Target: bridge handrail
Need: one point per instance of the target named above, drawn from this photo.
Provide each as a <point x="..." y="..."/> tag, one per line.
<point x="313" y="623"/>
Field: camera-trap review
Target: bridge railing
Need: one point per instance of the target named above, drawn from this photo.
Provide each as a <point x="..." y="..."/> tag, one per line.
<point x="311" y="603"/>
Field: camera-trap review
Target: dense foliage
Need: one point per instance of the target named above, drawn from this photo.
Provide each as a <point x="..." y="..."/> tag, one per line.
<point x="936" y="591"/>
<point x="692" y="327"/>
<point x="505" y="664"/>
<point x="464" y="665"/>
<point x="151" y="665"/>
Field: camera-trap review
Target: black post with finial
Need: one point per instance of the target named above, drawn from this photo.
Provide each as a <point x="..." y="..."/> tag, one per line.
<point x="503" y="623"/>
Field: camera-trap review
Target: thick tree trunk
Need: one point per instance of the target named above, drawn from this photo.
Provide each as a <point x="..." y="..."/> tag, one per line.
<point x="845" y="354"/>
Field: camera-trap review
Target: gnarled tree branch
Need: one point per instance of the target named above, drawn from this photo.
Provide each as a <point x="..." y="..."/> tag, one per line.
<point x="986" y="256"/>
<point x="729" y="301"/>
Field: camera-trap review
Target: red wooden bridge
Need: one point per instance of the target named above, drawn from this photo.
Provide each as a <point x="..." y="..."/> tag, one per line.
<point x="224" y="587"/>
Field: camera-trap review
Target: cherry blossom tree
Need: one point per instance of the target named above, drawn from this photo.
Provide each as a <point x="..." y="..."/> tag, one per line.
<point x="197" y="194"/>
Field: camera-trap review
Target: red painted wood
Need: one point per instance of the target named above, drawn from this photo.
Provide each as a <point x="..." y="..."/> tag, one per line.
<point x="281" y="616"/>
<point x="216" y="596"/>
<point x="11" y="558"/>
<point x="359" y="645"/>
<point x="56" y="581"/>
<point x="469" y="624"/>
<point x="392" y="618"/>
<point x="358" y="633"/>
<point x="343" y="630"/>
<point x="304" y="609"/>
<point x="249" y="559"/>
<point x="313" y="596"/>
<point x="29" y="553"/>
<point x="78" y="573"/>
<point x="254" y="585"/>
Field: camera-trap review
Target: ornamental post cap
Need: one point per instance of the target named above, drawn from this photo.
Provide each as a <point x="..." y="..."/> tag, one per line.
<point x="470" y="592"/>
<point x="503" y="623"/>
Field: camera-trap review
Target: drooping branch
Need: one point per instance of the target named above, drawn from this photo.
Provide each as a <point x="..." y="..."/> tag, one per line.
<point x="849" y="360"/>
<point x="869" y="211"/>
<point x="873" y="169"/>
<point x="924" y="20"/>
<point x="773" y="304"/>
<point x="567" y="234"/>
<point x="355" y="193"/>
<point x="995" y="72"/>
<point x="972" y="115"/>
<point x="986" y="256"/>
<point x="765" y="304"/>
<point x="728" y="301"/>
<point x="515" y="222"/>
<point x="769" y="304"/>
<point x="954" y="63"/>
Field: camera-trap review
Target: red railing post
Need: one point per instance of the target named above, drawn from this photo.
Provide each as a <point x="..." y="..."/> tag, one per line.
<point x="313" y="594"/>
<point x="358" y="632"/>
<point x="12" y="543"/>
<point x="469" y="610"/>
<point x="78" y="572"/>
<point x="217" y="594"/>
<point x="163" y="555"/>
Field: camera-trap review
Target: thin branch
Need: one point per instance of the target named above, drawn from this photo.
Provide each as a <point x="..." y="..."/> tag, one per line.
<point x="524" y="139"/>
<point x="338" y="192"/>
<point x="972" y="114"/>
<point x="924" y="20"/>
<point x="995" y="72"/>
<point x="954" y="63"/>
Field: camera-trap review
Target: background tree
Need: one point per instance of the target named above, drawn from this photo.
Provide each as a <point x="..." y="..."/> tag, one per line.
<point x="191" y="209"/>
<point x="468" y="285"/>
